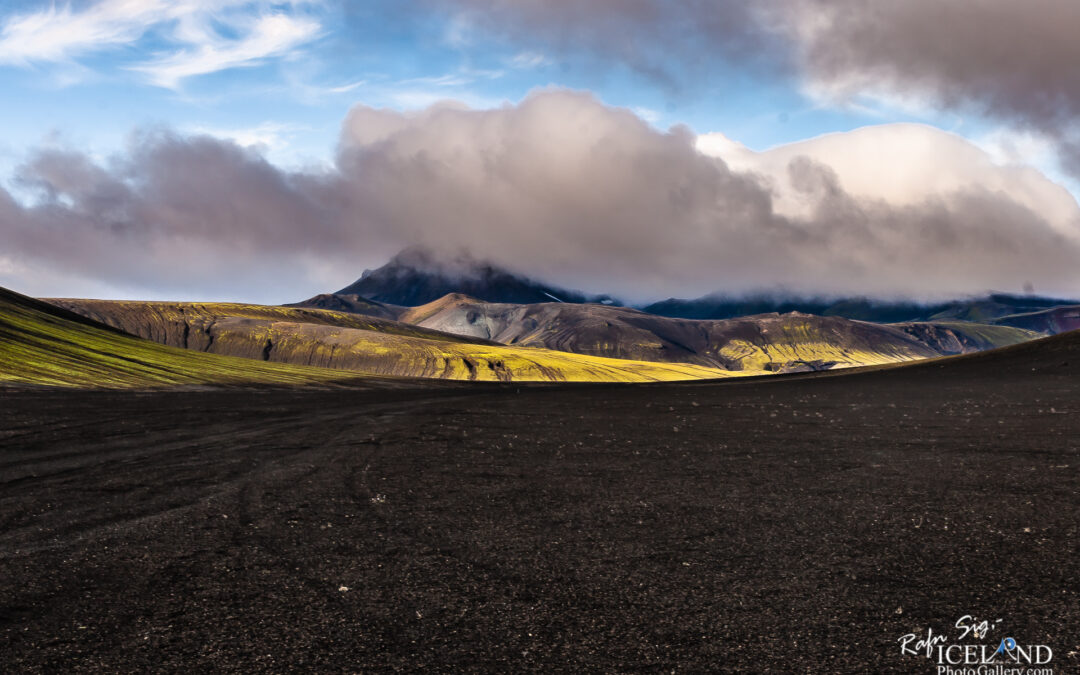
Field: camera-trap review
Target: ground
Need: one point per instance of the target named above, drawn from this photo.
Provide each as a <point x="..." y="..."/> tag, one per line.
<point x="796" y="524"/>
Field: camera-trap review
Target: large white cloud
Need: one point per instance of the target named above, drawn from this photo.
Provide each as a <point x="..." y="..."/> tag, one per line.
<point x="902" y="165"/>
<point x="560" y="187"/>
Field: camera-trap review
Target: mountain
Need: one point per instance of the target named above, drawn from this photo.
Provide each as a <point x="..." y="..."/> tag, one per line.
<point x="723" y="307"/>
<point x="363" y="344"/>
<point x="350" y="302"/>
<point x="458" y="337"/>
<point x="201" y="325"/>
<point x="417" y="276"/>
<point x="1054" y="356"/>
<point x="981" y="309"/>
<point x="964" y="337"/>
<point x="41" y="344"/>
<point x="764" y="343"/>
<point x="1049" y="321"/>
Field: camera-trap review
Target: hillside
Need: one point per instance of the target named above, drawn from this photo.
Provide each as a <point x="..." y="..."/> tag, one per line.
<point x="198" y="325"/>
<point x="963" y="337"/>
<point x="461" y="338"/>
<point x="1050" y="321"/>
<point x="44" y="345"/>
<point x="369" y="345"/>
<point x="1054" y="359"/>
<point x="770" y="342"/>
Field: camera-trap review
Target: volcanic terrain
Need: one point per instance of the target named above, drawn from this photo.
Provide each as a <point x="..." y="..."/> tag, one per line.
<point x="359" y="344"/>
<point x="173" y="509"/>
<point x="797" y="523"/>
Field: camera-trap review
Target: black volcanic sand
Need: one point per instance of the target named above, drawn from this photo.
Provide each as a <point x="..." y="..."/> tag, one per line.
<point x="790" y="525"/>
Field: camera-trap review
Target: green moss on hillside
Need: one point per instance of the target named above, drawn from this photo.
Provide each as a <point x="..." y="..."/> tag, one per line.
<point x="43" y="344"/>
<point x="40" y="345"/>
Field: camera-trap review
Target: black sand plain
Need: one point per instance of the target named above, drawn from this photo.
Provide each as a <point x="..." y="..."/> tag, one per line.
<point x="791" y="524"/>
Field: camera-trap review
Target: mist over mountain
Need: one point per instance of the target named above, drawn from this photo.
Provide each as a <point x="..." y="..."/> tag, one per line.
<point x="417" y="276"/>
<point x="983" y="308"/>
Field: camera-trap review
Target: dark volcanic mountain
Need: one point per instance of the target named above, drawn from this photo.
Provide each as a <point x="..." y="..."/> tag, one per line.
<point x="351" y="303"/>
<point x="984" y="309"/>
<point x="417" y="276"/>
<point x="724" y="307"/>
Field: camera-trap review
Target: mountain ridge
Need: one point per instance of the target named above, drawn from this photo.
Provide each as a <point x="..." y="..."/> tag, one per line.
<point x="766" y="342"/>
<point x="365" y="345"/>
<point x="416" y="276"/>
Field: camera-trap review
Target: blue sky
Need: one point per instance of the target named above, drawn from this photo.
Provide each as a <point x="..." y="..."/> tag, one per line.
<point x="754" y="83"/>
<point x="292" y="96"/>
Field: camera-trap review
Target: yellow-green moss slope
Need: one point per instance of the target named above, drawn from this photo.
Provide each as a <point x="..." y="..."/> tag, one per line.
<point x="45" y="346"/>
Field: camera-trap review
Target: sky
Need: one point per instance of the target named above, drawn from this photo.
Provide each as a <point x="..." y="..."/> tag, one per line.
<point x="269" y="151"/>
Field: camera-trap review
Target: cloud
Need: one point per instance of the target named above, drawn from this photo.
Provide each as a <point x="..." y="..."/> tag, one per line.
<point x="59" y="33"/>
<point x="179" y="214"/>
<point x="268" y="136"/>
<point x="345" y="88"/>
<point x="564" y="187"/>
<point x="528" y="60"/>
<point x="211" y="36"/>
<point x="268" y="36"/>
<point x="560" y="187"/>
<point x="901" y="165"/>
<point x="1010" y="61"/>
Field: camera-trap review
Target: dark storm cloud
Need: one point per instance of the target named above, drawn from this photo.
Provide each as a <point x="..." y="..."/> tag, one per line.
<point x="1012" y="61"/>
<point x="1009" y="58"/>
<point x="560" y="187"/>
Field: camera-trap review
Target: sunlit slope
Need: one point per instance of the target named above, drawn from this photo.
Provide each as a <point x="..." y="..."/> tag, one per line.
<point x="311" y="337"/>
<point x="768" y="342"/>
<point x="380" y="353"/>
<point x="42" y="345"/>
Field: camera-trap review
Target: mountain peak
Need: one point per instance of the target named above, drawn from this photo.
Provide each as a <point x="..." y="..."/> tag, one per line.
<point x="417" y="276"/>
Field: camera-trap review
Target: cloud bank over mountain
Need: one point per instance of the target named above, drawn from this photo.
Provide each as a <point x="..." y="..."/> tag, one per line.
<point x="560" y="187"/>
